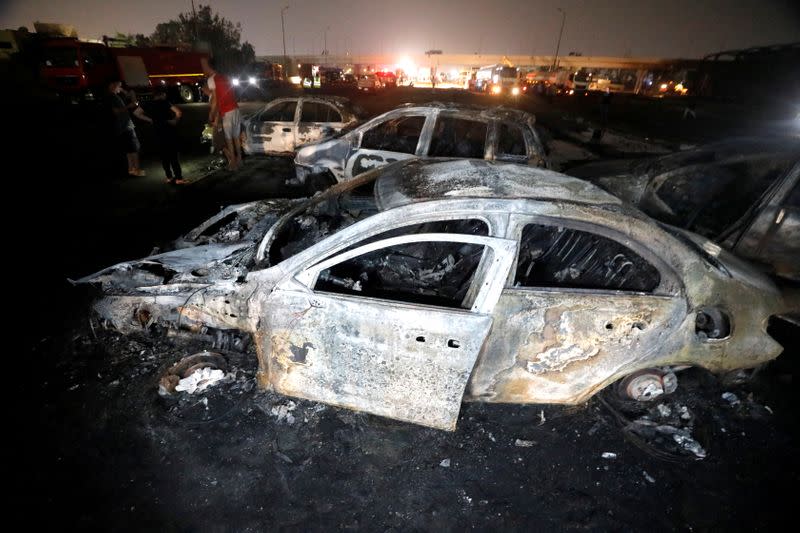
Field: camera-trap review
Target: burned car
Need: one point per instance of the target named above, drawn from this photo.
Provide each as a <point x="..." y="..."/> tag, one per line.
<point x="429" y="130"/>
<point x="417" y="286"/>
<point x="742" y="194"/>
<point x="284" y="124"/>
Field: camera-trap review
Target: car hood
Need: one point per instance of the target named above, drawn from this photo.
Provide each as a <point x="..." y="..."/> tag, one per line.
<point x="221" y="248"/>
<point x="237" y="223"/>
<point x="200" y="265"/>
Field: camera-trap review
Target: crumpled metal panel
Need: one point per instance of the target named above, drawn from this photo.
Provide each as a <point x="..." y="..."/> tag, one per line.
<point x="562" y="346"/>
<point x="389" y="359"/>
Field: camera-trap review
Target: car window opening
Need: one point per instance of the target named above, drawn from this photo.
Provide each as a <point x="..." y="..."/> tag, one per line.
<point x="283" y="112"/>
<point x="455" y="137"/>
<point x="430" y="273"/>
<point x="554" y="256"/>
<point x="708" y="199"/>
<point x="396" y="135"/>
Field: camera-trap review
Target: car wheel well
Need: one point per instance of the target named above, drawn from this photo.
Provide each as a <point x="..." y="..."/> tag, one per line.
<point x="319" y="181"/>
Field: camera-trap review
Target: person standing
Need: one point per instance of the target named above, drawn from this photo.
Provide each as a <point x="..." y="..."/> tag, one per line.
<point x="124" y="131"/>
<point x="605" y="105"/>
<point x="223" y="104"/>
<point x="164" y="118"/>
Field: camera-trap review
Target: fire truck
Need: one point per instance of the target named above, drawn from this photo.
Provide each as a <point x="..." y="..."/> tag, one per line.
<point x="82" y="69"/>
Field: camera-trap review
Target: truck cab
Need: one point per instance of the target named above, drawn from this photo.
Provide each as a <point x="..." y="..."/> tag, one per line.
<point x="75" y="68"/>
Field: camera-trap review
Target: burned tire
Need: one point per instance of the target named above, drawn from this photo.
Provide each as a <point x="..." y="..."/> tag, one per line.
<point x="319" y="182"/>
<point x="186" y="94"/>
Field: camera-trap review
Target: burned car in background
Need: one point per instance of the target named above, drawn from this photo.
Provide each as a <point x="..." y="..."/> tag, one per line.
<point x="414" y="287"/>
<point x="742" y="194"/>
<point x="284" y="124"/>
<point x="422" y="130"/>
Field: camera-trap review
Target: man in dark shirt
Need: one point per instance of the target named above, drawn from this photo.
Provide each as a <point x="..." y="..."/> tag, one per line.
<point x="164" y="118"/>
<point x="124" y="130"/>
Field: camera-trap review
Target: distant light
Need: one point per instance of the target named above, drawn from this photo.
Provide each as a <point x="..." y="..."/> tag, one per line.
<point x="295" y="80"/>
<point x="235" y="82"/>
<point x="515" y="91"/>
<point x="496" y="89"/>
<point x="571" y="91"/>
<point x="663" y="86"/>
<point x="252" y="80"/>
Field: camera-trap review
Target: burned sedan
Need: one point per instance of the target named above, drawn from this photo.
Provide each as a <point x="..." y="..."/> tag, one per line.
<point x="285" y="124"/>
<point x="412" y="288"/>
<point x="422" y="130"/>
<point x="743" y="194"/>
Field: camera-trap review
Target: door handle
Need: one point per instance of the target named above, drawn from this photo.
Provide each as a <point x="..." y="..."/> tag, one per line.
<point x="287" y="130"/>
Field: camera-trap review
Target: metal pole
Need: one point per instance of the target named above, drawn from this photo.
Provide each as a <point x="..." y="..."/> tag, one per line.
<point x="283" y="34"/>
<point x="558" y="45"/>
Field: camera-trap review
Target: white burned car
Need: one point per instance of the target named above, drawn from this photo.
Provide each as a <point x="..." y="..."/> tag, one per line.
<point x="427" y="130"/>
<point x="284" y="124"/>
<point x="427" y="283"/>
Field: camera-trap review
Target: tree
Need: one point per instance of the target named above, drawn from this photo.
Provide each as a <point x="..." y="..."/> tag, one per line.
<point x="207" y="31"/>
<point x="131" y="39"/>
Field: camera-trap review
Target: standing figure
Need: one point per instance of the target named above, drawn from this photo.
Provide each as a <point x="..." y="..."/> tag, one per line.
<point x="124" y="131"/>
<point x="605" y="105"/>
<point x="164" y="118"/>
<point x="223" y="104"/>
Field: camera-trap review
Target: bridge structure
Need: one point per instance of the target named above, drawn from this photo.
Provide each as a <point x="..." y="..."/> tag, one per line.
<point x="366" y="62"/>
<point x="460" y="66"/>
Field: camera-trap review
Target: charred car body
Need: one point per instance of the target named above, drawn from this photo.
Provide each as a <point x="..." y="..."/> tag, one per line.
<point x="409" y="289"/>
<point x="429" y="130"/>
<point x="285" y="124"/>
<point x="742" y="194"/>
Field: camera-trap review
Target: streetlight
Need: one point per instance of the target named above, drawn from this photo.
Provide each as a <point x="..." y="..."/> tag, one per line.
<point x="325" y="47"/>
<point x="558" y="45"/>
<point x="283" y="34"/>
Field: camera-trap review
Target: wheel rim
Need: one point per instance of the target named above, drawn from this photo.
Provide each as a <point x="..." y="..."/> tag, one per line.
<point x="186" y="93"/>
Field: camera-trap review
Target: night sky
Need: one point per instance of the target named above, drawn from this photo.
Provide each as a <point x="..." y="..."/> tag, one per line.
<point x="644" y="28"/>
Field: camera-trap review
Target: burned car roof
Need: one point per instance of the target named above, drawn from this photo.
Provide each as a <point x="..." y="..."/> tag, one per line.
<point x="488" y="112"/>
<point x="421" y="180"/>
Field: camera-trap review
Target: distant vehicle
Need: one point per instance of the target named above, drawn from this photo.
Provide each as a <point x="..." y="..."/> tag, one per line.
<point x="83" y="69"/>
<point x="498" y="80"/>
<point x="388" y="79"/>
<point x="369" y="83"/>
<point x="284" y="124"/>
<point x="255" y="79"/>
<point x="743" y="194"/>
<point x="429" y="130"/>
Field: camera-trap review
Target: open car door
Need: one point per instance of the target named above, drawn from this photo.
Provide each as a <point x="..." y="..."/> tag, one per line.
<point x="392" y="328"/>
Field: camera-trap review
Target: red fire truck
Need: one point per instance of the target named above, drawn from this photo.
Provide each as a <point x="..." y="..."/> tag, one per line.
<point x="82" y="69"/>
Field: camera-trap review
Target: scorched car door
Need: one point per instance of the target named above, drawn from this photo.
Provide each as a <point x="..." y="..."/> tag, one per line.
<point x="392" y="140"/>
<point x="381" y="343"/>
<point x="318" y="120"/>
<point x="582" y="308"/>
<point x="275" y="128"/>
